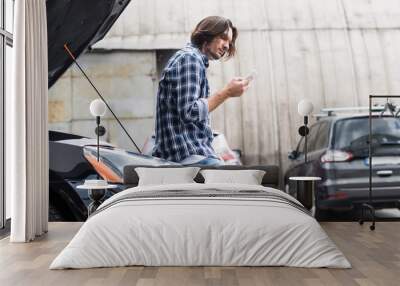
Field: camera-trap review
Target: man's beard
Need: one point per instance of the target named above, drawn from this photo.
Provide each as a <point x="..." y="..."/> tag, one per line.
<point x="215" y="56"/>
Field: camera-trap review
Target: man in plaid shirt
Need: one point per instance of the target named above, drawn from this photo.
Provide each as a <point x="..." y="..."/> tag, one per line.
<point x="183" y="132"/>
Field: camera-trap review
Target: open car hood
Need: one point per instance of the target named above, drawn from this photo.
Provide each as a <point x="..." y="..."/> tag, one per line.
<point x="79" y="24"/>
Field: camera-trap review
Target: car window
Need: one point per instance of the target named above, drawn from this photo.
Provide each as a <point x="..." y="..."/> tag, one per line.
<point x="323" y="136"/>
<point x="311" y="139"/>
<point x="300" y="146"/>
<point x="355" y="131"/>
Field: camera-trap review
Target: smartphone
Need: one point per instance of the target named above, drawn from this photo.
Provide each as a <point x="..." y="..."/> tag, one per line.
<point x="251" y="76"/>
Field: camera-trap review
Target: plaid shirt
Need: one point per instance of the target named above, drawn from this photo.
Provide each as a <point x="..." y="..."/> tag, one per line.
<point x="182" y="119"/>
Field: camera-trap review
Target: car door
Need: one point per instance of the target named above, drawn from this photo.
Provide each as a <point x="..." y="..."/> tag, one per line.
<point x="298" y="166"/>
<point x="319" y="139"/>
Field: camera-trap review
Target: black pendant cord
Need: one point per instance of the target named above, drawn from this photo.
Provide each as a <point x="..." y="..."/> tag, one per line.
<point x="98" y="143"/>
<point x="305" y="139"/>
<point x="369" y="205"/>
<point x="98" y="138"/>
<point x="98" y="93"/>
<point x="370" y="152"/>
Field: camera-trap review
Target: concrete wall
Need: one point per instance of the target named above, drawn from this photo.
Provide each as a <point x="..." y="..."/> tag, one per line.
<point x="127" y="80"/>
<point x="333" y="52"/>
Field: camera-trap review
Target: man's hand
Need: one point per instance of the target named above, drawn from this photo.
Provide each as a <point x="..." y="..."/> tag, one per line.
<point x="235" y="88"/>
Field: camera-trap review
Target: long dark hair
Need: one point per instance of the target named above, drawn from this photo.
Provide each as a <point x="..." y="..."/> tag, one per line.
<point x="211" y="27"/>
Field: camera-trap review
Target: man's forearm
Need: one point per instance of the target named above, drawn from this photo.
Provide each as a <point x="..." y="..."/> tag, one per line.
<point x="234" y="88"/>
<point x="217" y="99"/>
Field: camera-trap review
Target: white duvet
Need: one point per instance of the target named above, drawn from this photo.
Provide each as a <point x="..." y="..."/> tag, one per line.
<point x="187" y="230"/>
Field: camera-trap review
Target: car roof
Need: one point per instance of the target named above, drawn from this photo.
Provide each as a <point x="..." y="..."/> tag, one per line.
<point x="334" y="118"/>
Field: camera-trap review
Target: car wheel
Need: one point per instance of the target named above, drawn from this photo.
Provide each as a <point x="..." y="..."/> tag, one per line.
<point x="321" y="215"/>
<point x="290" y="189"/>
<point x="286" y="189"/>
<point x="54" y="213"/>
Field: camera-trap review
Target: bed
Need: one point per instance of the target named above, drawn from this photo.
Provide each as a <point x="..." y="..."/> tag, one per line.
<point x="195" y="224"/>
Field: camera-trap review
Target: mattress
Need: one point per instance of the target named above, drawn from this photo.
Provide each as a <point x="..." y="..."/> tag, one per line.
<point x="201" y="225"/>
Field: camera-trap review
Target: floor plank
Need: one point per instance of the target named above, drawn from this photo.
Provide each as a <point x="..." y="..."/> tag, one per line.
<point x="375" y="257"/>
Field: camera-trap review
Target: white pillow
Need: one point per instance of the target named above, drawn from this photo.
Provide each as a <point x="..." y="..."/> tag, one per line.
<point x="248" y="177"/>
<point x="163" y="176"/>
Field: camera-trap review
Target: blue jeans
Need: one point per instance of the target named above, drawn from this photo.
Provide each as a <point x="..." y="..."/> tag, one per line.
<point x="208" y="162"/>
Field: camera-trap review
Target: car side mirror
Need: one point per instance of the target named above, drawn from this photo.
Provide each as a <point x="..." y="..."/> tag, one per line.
<point x="293" y="155"/>
<point x="238" y="152"/>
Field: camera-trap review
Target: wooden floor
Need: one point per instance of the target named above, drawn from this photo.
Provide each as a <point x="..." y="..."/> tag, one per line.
<point x="375" y="257"/>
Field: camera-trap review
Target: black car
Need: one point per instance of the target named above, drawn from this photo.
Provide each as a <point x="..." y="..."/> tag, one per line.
<point x="73" y="159"/>
<point x="338" y="152"/>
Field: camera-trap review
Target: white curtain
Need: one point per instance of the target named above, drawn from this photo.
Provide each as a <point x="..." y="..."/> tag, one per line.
<point x="26" y="123"/>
